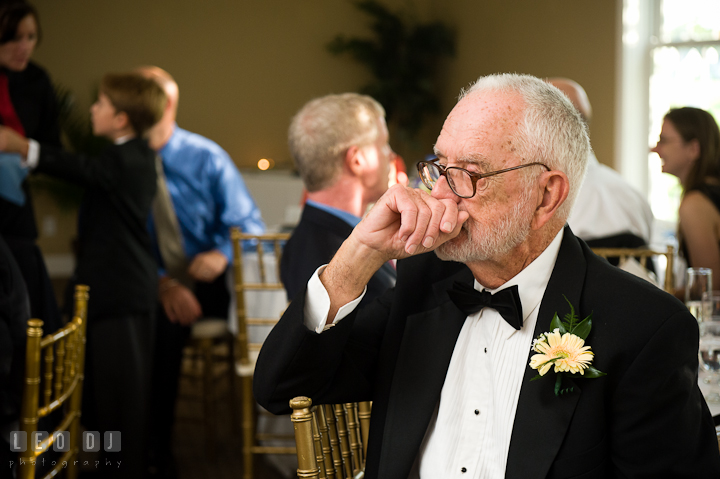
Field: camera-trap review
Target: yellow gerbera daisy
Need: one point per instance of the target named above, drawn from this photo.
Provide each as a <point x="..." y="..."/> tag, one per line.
<point x="567" y="352"/>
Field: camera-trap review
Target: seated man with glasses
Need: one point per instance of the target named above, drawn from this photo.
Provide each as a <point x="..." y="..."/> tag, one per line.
<point x="446" y="355"/>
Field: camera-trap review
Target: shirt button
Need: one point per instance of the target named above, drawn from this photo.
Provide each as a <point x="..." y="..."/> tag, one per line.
<point x="486" y="350"/>
<point x="463" y="470"/>
<point x="477" y="412"/>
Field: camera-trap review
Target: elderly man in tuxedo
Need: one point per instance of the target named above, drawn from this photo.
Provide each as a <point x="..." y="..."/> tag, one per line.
<point x="452" y="388"/>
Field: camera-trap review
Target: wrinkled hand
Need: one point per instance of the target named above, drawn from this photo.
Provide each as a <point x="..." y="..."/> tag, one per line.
<point x="407" y="221"/>
<point x="12" y="142"/>
<point x="207" y="266"/>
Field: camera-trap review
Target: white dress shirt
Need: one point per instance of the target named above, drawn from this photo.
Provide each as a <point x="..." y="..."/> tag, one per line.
<point x="469" y="435"/>
<point x="607" y="205"/>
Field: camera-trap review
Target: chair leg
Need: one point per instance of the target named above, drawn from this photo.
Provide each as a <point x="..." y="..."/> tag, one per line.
<point x="248" y="426"/>
<point x="232" y="387"/>
<point x="206" y="350"/>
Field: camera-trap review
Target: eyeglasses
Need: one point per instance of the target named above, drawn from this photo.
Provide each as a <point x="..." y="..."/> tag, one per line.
<point x="462" y="182"/>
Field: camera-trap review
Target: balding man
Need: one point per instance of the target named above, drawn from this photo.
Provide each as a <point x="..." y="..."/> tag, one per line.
<point x="206" y="197"/>
<point x="340" y="147"/>
<point x="608" y="212"/>
<point x="445" y="356"/>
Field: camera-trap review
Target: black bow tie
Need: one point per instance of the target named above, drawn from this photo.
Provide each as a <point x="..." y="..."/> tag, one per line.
<point x="506" y="302"/>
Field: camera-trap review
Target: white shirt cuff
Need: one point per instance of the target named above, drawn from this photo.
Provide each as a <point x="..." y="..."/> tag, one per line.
<point x="33" y="156"/>
<point x="317" y="304"/>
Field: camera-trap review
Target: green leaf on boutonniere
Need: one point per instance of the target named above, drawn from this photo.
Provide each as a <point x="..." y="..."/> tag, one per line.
<point x="559" y="391"/>
<point x="590" y="373"/>
<point x="557" y="324"/>
<point x="573" y="325"/>
<point x="583" y="328"/>
<point x="569" y="319"/>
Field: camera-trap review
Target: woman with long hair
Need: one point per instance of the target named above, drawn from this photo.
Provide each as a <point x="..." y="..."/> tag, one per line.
<point x="689" y="147"/>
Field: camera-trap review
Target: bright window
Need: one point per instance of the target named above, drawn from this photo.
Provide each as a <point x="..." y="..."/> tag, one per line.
<point x="684" y="47"/>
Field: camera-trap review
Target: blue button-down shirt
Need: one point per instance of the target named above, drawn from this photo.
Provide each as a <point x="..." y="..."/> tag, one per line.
<point x="208" y="194"/>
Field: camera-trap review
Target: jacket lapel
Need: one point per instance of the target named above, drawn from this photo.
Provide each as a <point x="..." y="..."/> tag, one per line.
<point x="425" y="352"/>
<point x="542" y="418"/>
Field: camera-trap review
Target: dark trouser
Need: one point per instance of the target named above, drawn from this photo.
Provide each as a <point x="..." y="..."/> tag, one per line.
<point x="29" y="259"/>
<point x="170" y="341"/>
<point x="117" y="388"/>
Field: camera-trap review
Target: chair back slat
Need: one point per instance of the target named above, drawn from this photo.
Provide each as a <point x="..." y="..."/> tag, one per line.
<point x="342" y="429"/>
<point x="317" y="446"/>
<point x="354" y="437"/>
<point x="643" y="255"/>
<point x="48" y="389"/>
<point x="364" y="410"/>
<point x="59" y="365"/>
<point x="325" y="443"/>
<point x="63" y="356"/>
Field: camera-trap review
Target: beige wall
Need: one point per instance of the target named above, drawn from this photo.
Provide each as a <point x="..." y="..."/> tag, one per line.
<point x="571" y="38"/>
<point x="244" y="67"/>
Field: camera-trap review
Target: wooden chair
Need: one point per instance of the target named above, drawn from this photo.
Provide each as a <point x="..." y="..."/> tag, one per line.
<point x="642" y="255"/>
<point x="60" y="385"/>
<point x="255" y="273"/>
<point x="331" y="439"/>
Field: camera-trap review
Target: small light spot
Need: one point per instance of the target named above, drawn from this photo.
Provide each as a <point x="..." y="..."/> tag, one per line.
<point x="265" y="164"/>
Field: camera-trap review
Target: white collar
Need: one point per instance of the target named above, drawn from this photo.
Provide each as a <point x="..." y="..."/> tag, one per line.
<point x="533" y="279"/>
<point x="123" y="139"/>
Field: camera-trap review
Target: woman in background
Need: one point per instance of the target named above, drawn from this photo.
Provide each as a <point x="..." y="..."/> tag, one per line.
<point x="689" y="147"/>
<point x="28" y="106"/>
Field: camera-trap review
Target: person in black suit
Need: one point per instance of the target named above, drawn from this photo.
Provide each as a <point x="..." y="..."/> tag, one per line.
<point x="14" y="314"/>
<point x="340" y="147"/>
<point x="29" y="106"/>
<point x="451" y="379"/>
<point x="115" y="257"/>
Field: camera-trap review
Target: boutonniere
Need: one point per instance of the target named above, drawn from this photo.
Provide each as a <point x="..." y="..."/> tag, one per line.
<point x="564" y="350"/>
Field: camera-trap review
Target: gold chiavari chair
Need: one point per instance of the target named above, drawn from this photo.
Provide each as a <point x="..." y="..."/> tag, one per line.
<point x="207" y="358"/>
<point x="642" y="255"/>
<point x="256" y="272"/>
<point x="331" y="439"/>
<point x="60" y="385"/>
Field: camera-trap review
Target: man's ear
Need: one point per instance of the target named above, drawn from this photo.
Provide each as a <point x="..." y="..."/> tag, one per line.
<point x="355" y="160"/>
<point x="554" y="188"/>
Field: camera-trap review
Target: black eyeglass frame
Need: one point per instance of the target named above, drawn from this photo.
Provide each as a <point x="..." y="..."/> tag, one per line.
<point x="474" y="177"/>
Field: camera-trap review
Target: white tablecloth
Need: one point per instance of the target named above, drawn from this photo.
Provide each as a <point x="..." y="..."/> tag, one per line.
<point x="259" y="304"/>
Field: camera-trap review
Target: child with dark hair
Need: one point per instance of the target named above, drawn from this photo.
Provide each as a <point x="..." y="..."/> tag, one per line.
<point x="114" y="255"/>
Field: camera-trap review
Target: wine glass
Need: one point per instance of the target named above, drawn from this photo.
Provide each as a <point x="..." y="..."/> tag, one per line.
<point x="698" y="282"/>
<point x="710" y="357"/>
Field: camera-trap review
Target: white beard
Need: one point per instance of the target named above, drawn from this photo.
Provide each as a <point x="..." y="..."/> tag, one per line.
<point x="492" y="242"/>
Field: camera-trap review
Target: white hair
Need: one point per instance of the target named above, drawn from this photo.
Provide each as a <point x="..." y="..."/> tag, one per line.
<point x="552" y="131"/>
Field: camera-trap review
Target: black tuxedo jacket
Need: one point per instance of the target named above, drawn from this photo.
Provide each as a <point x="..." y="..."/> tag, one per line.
<point x="114" y="250"/>
<point x="646" y="418"/>
<point x="313" y="243"/>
